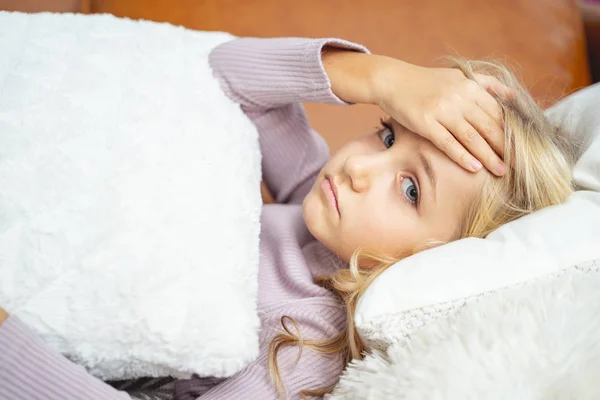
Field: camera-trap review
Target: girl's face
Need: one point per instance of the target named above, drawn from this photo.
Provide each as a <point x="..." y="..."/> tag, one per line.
<point x="393" y="192"/>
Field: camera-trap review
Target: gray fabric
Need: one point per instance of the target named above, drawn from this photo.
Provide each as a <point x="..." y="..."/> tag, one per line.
<point x="147" y="388"/>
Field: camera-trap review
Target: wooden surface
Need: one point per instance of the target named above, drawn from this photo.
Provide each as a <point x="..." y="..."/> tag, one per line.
<point x="591" y="18"/>
<point x="541" y="39"/>
<point x="41" y="5"/>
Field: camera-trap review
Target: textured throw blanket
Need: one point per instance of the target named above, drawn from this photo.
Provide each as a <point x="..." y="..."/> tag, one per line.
<point x="129" y="196"/>
<point x="538" y="341"/>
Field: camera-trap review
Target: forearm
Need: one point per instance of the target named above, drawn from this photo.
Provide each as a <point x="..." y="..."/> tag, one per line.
<point x="351" y="74"/>
<point x="266" y="73"/>
<point x="359" y="77"/>
<point x="30" y="369"/>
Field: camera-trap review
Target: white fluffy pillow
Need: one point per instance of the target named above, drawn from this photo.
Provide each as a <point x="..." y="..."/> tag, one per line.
<point x="435" y="283"/>
<point x="531" y="342"/>
<point x="129" y="196"/>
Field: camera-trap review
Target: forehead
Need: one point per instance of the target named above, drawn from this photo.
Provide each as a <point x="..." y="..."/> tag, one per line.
<point x="456" y="187"/>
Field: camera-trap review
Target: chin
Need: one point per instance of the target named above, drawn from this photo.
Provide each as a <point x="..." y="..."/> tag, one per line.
<point x="314" y="218"/>
<point x="311" y="214"/>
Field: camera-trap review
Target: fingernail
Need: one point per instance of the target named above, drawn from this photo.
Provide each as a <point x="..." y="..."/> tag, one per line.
<point x="475" y="165"/>
<point x="500" y="169"/>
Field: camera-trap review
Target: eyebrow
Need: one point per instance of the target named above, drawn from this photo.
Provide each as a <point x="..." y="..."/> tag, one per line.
<point x="430" y="173"/>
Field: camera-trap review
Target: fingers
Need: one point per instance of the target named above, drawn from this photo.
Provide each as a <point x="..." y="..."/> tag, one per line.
<point x="488" y="120"/>
<point x="446" y="142"/>
<point x="488" y="104"/>
<point x="494" y="86"/>
<point x="487" y="127"/>
<point x="474" y="143"/>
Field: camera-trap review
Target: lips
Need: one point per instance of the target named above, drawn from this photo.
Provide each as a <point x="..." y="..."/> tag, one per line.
<point x="331" y="193"/>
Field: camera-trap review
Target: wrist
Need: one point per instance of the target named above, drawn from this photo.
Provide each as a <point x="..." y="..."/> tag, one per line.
<point x="350" y="74"/>
<point x="389" y="74"/>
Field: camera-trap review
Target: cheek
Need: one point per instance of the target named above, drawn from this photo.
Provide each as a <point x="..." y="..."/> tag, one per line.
<point x="390" y="229"/>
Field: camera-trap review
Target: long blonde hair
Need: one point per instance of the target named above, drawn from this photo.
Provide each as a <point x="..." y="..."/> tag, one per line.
<point x="539" y="157"/>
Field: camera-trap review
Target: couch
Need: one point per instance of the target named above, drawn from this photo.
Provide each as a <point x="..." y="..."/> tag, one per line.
<point x="553" y="45"/>
<point x="543" y="40"/>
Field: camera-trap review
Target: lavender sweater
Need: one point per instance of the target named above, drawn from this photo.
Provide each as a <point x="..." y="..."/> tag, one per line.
<point x="269" y="78"/>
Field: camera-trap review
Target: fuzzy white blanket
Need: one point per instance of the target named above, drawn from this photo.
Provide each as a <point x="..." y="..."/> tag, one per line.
<point x="538" y="341"/>
<point x="129" y="196"/>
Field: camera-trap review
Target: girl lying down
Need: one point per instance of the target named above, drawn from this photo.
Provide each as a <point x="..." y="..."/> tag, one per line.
<point x="465" y="149"/>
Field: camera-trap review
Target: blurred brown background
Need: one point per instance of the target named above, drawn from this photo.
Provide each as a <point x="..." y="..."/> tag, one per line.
<point x="544" y="41"/>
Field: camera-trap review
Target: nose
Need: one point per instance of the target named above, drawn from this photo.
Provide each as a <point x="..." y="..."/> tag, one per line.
<point x="362" y="169"/>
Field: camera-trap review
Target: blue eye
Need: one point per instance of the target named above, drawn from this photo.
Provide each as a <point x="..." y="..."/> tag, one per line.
<point x="386" y="133"/>
<point x="410" y="190"/>
<point x="387" y="137"/>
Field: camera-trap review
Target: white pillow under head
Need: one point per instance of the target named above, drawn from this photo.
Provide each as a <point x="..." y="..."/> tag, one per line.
<point x="436" y="282"/>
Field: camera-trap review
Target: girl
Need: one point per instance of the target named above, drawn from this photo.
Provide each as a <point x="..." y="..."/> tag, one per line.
<point x="416" y="182"/>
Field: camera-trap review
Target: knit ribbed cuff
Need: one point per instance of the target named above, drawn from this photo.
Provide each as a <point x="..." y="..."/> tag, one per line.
<point x="267" y="73"/>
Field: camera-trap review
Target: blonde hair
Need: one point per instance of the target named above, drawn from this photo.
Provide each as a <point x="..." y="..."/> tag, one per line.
<point x="539" y="158"/>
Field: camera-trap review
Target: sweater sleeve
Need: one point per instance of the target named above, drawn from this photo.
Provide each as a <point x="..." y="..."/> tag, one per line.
<point x="271" y="78"/>
<point x="29" y="369"/>
<point x="317" y="318"/>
